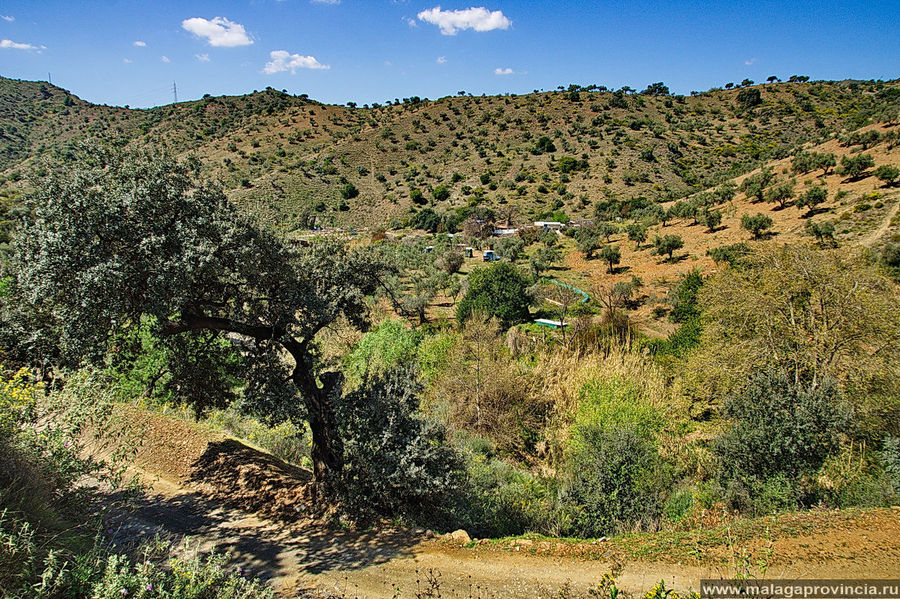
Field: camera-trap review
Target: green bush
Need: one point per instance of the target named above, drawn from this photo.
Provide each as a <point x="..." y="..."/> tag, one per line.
<point x="781" y="432"/>
<point x="433" y="354"/>
<point x="614" y="403"/>
<point x="615" y="481"/>
<point x="500" y="290"/>
<point x="501" y="500"/>
<point x="386" y="346"/>
<point x="396" y="461"/>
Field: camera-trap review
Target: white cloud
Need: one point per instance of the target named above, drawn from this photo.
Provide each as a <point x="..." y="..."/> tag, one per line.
<point x="7" y="18"/>
<point x="411" y="22"/>
<point x="283" y="61"/>
<point x="11" y="45"/>
<point x="218" y="32"/>
<point x="506" y="71"/>
<point x="202" y="57"/>
<point x="451" y="21"/>
<point x="441" y="59"/>
<point x="127" y="60"/>
<point x="749" y="61"/>
<point x="164" y="59"/>
<point x="139" y="44"/>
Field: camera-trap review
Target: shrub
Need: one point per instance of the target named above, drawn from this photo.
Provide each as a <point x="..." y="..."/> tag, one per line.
<point x="500" y="499"/>
<point x="389" y="345"/>
<point x="756" y="224"/>
<point x="397" y="461"/>
<point x="729" y="253"/>
<point x="887" y="173"/>
<point x="890" y="459"/>
<point x="855" y="167"/>
<point x="667" y="244"/>
<point x="349" y="191"/>
<point x="615" y="403"/>
<point x="615" y="481"/>
<point x="781" y="431"/>
<point x="683" y="297"/>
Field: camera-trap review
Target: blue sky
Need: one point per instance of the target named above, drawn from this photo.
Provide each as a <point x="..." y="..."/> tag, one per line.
<point x="127" y="52"/>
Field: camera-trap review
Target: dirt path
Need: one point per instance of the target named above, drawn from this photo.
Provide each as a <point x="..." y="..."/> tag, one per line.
<point x="298" y="557"/>
<point x="218" y="493"/>
<point x="883" y="227"/>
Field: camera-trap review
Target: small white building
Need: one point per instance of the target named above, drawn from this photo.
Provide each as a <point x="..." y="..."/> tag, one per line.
<point x="505" y="232"/>
<point x="549" y="225"/>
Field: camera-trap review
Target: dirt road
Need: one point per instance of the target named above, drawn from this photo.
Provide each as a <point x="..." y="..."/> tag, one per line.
<point x="300" y="557"/>
<point x="219" y="493"/>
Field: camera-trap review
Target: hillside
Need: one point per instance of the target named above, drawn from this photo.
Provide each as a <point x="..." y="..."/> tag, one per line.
<point x="301" y="163"/>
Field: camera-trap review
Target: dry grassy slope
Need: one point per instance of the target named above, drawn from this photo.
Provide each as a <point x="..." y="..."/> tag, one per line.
<point x="695" y="142"/>
<point x="872" y="226"/>
<point x="287" y="156"/>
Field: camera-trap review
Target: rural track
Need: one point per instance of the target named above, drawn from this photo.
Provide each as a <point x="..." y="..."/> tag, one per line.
<point x="302" y="558"/>
<point x="875" y="235"/>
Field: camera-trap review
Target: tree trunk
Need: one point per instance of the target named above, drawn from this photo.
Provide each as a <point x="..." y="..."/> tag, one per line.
<point x="327" y="452"/>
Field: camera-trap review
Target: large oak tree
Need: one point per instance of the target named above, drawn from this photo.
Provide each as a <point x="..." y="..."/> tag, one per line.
<point x="125" y="236"/>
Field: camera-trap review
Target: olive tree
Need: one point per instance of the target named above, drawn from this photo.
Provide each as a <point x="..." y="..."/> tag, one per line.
<point x="124" y="238"/>
<point x="612" y="256"/>
<point x="756" y="224"/>
<point x="667" y="244"/>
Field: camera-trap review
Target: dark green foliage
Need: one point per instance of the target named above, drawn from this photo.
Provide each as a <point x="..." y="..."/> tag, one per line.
<point x="815" y="195"/>
<point x="711" y="218"/>
<point x="823" y="231"/>
<point x="890" y="258"/>
<point x="887" y="173"/>
<point x="889" y="456"/>
<point x="202" y="371"/>
<point x="588" y="241"/>
<point x="509" y="248"/>
<point x="805" y="162"/>
<point x="570" y="164"/>
<point x="618" y="100"/>
<point x="128" y="236"/>
<point x="500" y="499"/>
<point x="683" y="297"/>
<point x="637" y="233"/>
<point x="781" y="430"/>
<point x="615" y="481"/>
<point x="680" y="342"/>
<point x="441" y="193"/>
<point x="606" y="230"/>
<point x="499" y="290"/>
<point x="656" y="89"/>
<point x="667" y="245"/>
<point x="397" y="461"/>
<point x="756" y="224"/>
<point x="426" y="219"/>
<point x="611" y="255"/>
<point x="855" y="167"/>
<point x="349" y="191"/>
<point x="729" y="253"/>
<point x="544" y="145"/>
<point x="417" y="197"/>
<point x="755" y="185"/>
<point x="781" y="194"/>
<point x="748" y="98"/>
